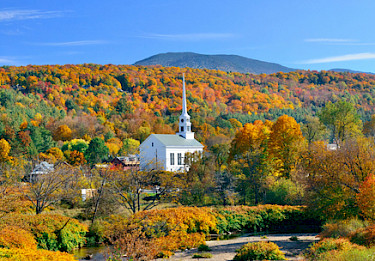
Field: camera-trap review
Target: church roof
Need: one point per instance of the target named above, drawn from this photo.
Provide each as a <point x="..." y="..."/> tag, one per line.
<point x="176" y="140"/>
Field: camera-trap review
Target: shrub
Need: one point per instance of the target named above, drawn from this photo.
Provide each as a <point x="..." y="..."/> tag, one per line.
<point x="365" y="254"/>
<point x="364" y="236"/>
<point x="96" y="233"/>
<point x="329" y="244"/>
<point x="15" y="237"/>
<point x="341" y="228"/>
<point x="27" y="254"/>
<point x="204" y="248"/>
<point x="293" y="238"/>
<point x="265" y="218"/>
<point x="52" y="232"/>
<point x="259" y="251"/>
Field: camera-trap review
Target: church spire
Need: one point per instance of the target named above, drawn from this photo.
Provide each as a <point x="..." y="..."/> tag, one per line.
<point x="184" y="124"/>
<point x="184" y="110"/>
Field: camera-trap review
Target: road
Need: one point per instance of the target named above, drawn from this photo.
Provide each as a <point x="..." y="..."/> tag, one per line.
<point x="224" y="250"/>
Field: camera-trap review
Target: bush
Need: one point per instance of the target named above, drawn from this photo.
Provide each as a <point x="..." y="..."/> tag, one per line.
<point x="364" y="236"/>
<point x="259" y="251"/>
<point x="341" y="228"/>
<point x="15" y="237"/>
<point x="95" y="235"/>
<point x="283" y="191"/>
<point x="17" y="254"/>
<point x="366" y="254"/>
<point x="204" y="248"/>
<point x="329" y="244"/>
<point x="265" y="218"/>
<point x="52" y="232"/>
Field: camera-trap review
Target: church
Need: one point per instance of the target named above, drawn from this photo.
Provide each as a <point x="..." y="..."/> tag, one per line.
<point x="167" y="151"/>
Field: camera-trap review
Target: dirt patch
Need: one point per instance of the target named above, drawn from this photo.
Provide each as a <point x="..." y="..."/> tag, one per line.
<point x="224" y="250"/>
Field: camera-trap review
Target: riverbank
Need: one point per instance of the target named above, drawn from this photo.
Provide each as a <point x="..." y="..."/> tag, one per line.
<point x="224" y="250"/>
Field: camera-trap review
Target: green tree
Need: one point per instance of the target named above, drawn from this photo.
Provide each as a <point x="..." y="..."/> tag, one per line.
<point x="130" y="146"/>
<point x="313" y="129"/>
<point x="123" y="106"/>
<point x="342" y="119"/>
<point x="97" y="151"/>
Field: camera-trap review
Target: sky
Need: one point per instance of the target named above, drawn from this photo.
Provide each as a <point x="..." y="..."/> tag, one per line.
<point x="301" y="34"/>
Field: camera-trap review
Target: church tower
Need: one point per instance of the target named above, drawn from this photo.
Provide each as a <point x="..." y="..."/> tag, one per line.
<point x="184" y="124"/>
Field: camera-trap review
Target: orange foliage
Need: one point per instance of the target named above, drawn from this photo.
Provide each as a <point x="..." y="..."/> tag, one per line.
<point x="15" y="237"/>
<point x="17" y="254"/>
<point x="365" y="197"/>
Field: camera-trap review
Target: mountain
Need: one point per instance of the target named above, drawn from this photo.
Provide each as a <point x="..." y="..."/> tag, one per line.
<point x="348" y="70"/>
<point x="228" y="63"/>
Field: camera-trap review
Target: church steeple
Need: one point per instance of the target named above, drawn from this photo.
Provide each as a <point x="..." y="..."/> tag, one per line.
<point x="184" y="124"/>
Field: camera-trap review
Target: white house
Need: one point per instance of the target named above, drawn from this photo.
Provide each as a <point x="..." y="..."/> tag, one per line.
<point x="167" y="151"/>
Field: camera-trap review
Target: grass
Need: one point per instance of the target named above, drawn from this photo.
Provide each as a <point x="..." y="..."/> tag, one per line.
<point x="202" y="255"/>
<point x="351" y="254"/>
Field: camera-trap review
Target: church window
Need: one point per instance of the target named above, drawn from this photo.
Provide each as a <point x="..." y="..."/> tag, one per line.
<point x="172" y="158"/>
<point x="182" y="120"/>
<point x="152" y="144"/>
<point x="188" y="128"/>
<point x="182" y="128"/>
<point x="179" y="158"/>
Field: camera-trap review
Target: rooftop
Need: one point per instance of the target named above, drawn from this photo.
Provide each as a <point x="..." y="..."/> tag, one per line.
<point x="176" y="140"/>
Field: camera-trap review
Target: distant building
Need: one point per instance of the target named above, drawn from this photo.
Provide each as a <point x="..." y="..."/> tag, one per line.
<point x="87" y="193"/>
<point x="332" y="146"/>
<point x="168" y="151"/>
<point x="126" y="162"/>
<point x="40" y="169"/>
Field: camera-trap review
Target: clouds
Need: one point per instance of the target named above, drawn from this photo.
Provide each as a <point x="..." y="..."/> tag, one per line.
<point x="19" y="14"/>
<point x="189" y="37"/>
<point x="4" y="60"/>
<point x="342" y="58"/>
<point x="75" y="43"/>
<point x="330" y="40"/>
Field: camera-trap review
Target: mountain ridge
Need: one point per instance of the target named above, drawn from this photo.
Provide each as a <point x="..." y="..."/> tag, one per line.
<point x="223" y="62"/>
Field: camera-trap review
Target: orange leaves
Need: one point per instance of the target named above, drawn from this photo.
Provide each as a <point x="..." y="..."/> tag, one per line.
<point x="285" y="142"/>
<point x="15" y="237"/>
<point x="63" y="132"/>
<point x="365" y="197"/>
<point x="250" y="137"/>
<point x="16" y="254"/>
<point x="75" y="157"/>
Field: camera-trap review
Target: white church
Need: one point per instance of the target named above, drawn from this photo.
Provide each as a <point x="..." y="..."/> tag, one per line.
<point x="167" y="151"/>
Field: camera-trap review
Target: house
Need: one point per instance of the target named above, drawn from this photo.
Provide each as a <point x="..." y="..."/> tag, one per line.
<point x="40" y="169"/>
<point x="126" y="162"/>
<point x="168" y="151"/>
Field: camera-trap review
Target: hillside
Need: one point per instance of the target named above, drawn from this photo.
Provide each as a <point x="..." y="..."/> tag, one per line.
<point x="348" y="70"/>
<point x="42" y="106"/>
<point x="227" y="63"/>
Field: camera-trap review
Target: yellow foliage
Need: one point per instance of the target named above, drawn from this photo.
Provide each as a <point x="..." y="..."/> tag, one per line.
<point x="23" y="125"/>
<point x="15" y="237"/>
<point x="34" y="123"/>
<point x="4" y="150"/>
<point x="63" y="132"/>
<point x="22" y="254"/>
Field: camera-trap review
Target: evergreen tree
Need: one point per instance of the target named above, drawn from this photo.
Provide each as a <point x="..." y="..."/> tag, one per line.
<point x="97" y="151"/>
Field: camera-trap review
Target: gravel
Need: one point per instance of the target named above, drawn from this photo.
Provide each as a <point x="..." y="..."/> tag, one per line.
<point x="223" y="250"/>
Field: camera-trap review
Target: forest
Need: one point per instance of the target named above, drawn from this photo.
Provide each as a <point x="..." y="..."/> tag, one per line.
<point x="283" y="152"/>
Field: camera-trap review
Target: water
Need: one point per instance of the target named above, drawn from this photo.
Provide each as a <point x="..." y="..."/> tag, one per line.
<point x="97" y="253"/>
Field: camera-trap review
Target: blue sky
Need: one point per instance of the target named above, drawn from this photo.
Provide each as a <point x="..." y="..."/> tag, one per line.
<point x="305" y="34"/>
